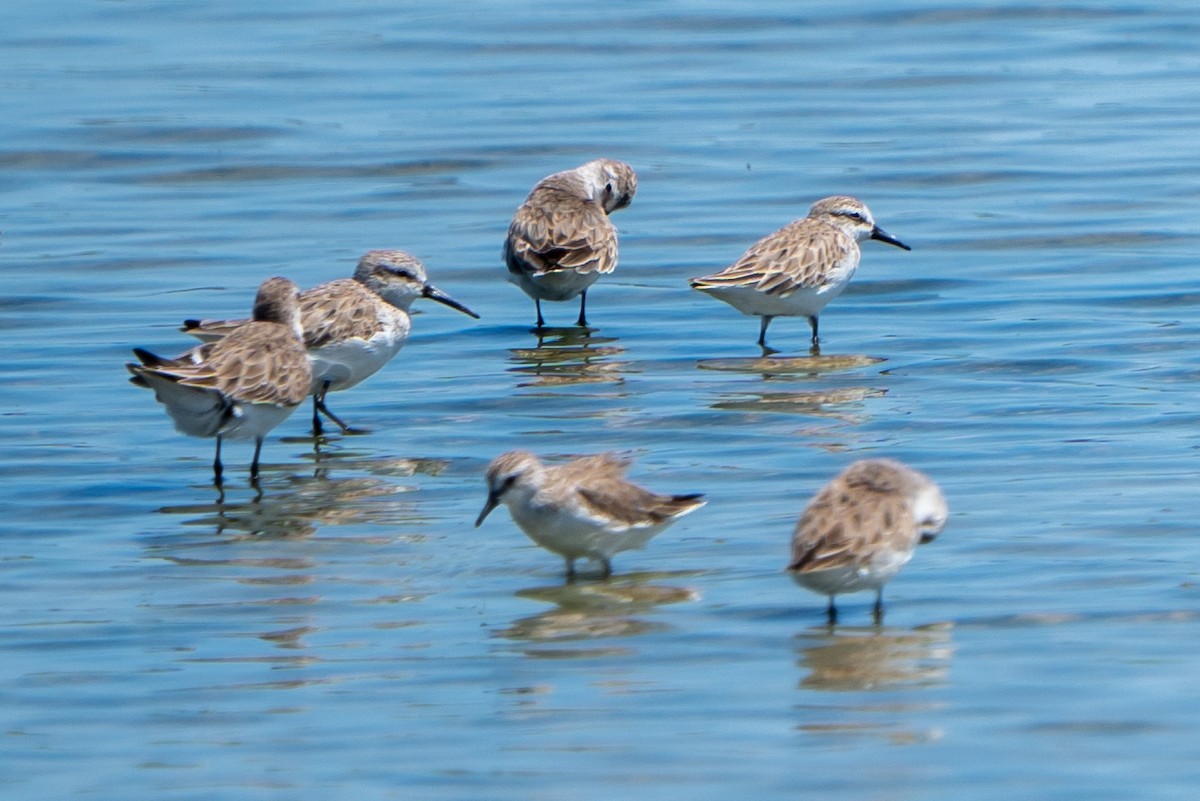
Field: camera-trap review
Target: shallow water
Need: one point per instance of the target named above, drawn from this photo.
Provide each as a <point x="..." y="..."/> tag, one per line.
<point x="350" y="634"/>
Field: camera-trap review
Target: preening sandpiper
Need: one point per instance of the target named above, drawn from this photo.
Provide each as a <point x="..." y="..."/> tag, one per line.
<point x="560" y="240"/>
<point x="862" y="527"/>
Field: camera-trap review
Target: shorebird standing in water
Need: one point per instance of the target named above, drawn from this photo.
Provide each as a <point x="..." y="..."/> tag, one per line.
<point x="584" y="508"/>
<point x="353" y="326"/>
<point x="862" y="527"/>
<point x="560" y="240"/>
<point x="242" y="385"/>
<point x="797" y="270"/>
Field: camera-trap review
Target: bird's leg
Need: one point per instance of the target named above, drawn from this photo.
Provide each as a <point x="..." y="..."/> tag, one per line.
<point x="541" y="322"/>
<point x="812" y="321"/>
<point x="217" y="469"/>
<point x="319" y="406"/>
<point x="762" y="331"/>
<point x="877" y="611"/>
<point x="831" y="612"/>
<point x="605" y="566"/>
<point x="317" y="428"/>
<point x="582" y="321"/>
<point x="570" y="569"/>
<point x="254" y="464"/>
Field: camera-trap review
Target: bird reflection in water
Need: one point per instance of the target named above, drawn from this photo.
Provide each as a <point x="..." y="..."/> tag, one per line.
<point x="831" y="403"/>
<point x="790" y="366"/>
<point x="304" y="504"/>
<point x="566" y="356"/>
<point x="589" y="610"/>
<point x="870" y="659"/>
<point x="329" y="455"/>
<point x="823" y="402"/>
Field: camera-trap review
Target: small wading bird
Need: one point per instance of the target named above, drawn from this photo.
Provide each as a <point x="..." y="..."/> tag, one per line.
<point x="797" y="270"/>
<point x="353" y="326"/>
<point x="561" y="240"/>
<point x="241" y="386"/>
<point x="862" y="527"/>
<point x="584" y="508"/>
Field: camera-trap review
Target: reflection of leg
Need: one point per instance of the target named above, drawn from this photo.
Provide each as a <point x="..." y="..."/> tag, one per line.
<point x="831" y="611"/>
<point x="762" y="331"/>
<point x="582" y="321"/>
<point x="217" y="469"/>
<point x="319" y="470"/>
<point x="877" y="612"/>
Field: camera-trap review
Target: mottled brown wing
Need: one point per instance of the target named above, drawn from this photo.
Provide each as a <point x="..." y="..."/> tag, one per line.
<point x="601" y="468"/>
<point x="257" y="363"/>
<point x="556" y="231"/>
<point x="599" y="481"/>
<point x="846" y="520"/>
<point x="336" y="311"/>
<point x="797" y="256"/>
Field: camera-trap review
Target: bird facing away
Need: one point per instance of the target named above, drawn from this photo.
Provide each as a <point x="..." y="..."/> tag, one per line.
<point x="797" y="270"/>
<point x="583" y="508"/>
<point x="560" y="240"/>
<point x="353" y="326"/>
<point x="241" y="386"/>
<point x="862" y="527"/>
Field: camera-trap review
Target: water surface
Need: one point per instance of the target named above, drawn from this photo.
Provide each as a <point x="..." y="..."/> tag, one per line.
<point x="350" y="634"/>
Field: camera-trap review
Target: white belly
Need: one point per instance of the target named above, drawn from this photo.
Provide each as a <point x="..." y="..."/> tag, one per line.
<point x="344" y="364"/>
<point x="254" y="420"/>
<point x="801" y="303"/>
<point x="201" y="412"/>
<point x="575" y="536"/>
<point x="882" y="569"/>
<point x="557" y="285"/>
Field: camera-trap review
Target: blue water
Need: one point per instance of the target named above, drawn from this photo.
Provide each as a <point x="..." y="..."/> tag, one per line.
<point x="350" y="634"/>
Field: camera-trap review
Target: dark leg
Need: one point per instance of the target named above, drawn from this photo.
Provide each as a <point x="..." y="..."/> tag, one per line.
<point x="319" y="406"/>
<point x="831" y="612"/>
<point x="762" y="331"/>
<point x="541" y="323"/>
<point x="877" y="612"/>
<point x="605" y="567"/>
<point x="217" y="469"/>
<point x="812" y="321"/>
<point x="582" y="321"/>
<point x="254" y="464"/>
<point x="570" y="568"/>
<point x="317" y="428"/>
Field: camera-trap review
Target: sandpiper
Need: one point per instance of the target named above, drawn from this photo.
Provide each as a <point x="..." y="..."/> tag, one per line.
<point x="353" y="326"/>
<point x="242" y="385"/>
<point x="797" y="270"/>
<point x="862" y="527"/>
<point x="583" y="508"/>
<point x="561" y="240"/>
